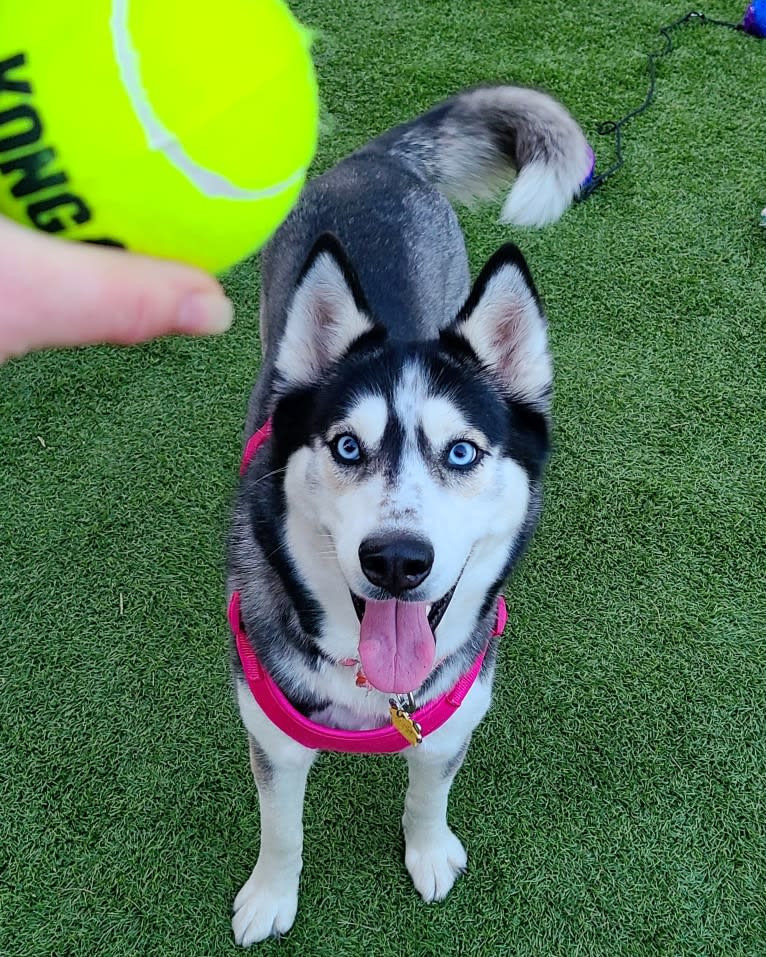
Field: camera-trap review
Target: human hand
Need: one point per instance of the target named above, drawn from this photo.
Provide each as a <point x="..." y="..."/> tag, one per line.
<point x="59" y="293"/>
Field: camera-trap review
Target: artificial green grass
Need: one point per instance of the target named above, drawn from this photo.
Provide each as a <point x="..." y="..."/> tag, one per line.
<point x="613" y="801"/>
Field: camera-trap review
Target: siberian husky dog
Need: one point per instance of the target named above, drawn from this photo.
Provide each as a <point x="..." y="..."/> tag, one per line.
<point x="396" y="439"/>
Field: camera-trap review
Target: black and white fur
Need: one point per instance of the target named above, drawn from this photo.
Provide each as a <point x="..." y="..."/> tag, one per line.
<point x="371" y="331"/>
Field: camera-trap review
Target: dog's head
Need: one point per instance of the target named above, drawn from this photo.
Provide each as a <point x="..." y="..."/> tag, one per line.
<point x="411" y="469"/>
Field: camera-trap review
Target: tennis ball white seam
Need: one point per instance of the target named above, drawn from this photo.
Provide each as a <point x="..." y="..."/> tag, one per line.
<point x="159" y="137"/>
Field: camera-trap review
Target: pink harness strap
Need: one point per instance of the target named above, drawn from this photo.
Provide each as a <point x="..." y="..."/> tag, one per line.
<point x="276" y="707"/>
<point x="255" y="441"/>
<point x="385" y="740"/>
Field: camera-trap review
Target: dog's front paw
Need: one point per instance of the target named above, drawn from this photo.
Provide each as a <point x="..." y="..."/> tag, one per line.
<point x="265" y="907"/>
<point x="435" y="864"/>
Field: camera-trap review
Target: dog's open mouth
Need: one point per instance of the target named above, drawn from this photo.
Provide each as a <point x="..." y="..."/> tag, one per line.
<point x="435" y="611"/>
<point x="397" y="645"/>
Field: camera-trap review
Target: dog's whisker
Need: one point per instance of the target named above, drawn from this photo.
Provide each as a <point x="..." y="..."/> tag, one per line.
<point x="268" y="475"/>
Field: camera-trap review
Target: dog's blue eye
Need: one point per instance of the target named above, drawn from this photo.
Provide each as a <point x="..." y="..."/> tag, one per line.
<point x="347" y="449"/>
<point x="462" y="454"/>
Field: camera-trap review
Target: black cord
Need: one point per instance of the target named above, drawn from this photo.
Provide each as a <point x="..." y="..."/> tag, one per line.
<point x="615" y="126"/>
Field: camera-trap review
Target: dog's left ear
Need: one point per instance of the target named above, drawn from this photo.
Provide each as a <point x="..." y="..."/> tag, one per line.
<point x="505" y="326"/>
<point x="328" y="312"/>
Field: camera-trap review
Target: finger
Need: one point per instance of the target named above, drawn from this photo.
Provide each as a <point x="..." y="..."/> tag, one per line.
<point x="57" y="293"/>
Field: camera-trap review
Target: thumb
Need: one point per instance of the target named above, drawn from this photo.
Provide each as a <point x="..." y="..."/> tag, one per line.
<point x="58" y="293"/>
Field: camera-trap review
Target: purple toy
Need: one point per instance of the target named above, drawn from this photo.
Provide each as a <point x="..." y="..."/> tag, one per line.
<point x="754" y="21"/>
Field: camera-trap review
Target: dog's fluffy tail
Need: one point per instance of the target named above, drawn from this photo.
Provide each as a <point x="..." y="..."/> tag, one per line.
<point x="472" y="145"/>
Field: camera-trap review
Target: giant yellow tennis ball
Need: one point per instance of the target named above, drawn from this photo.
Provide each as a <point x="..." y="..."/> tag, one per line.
<point x="171" y="127"/>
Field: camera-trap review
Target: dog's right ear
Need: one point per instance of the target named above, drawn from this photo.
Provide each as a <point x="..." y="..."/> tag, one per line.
<point x="327" y="314"/>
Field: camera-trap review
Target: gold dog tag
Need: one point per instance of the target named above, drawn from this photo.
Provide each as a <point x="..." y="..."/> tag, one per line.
<point x="402" y="720"/>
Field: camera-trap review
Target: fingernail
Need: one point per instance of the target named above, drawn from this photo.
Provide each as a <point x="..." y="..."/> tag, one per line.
<point x="205" y="314"/>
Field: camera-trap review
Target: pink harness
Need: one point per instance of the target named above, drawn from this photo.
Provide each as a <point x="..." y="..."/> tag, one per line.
<point x="274" y="704"/>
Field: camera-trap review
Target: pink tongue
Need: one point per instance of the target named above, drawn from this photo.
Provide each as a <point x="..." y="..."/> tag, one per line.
<point x="396" y="645"/>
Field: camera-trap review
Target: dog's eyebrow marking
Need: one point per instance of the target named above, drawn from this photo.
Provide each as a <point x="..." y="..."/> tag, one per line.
<point x="367" y="419"/>
<point x="442" y="421"/>
<point x="424" y="414"/>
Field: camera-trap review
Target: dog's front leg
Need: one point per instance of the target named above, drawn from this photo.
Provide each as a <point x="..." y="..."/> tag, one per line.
<point x="267" y="903"/>
<point x="433" y="855"/>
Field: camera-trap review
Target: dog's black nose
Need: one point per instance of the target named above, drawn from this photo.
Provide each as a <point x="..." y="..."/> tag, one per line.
<point x="396" y="562"/>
